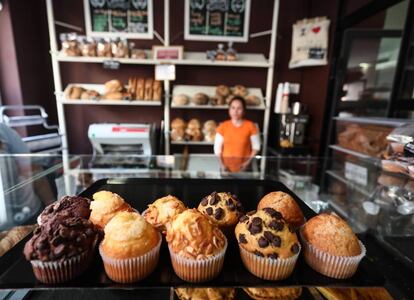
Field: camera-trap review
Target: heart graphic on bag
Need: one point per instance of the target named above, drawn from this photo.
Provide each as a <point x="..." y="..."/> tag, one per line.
<point x="316" y="29"/>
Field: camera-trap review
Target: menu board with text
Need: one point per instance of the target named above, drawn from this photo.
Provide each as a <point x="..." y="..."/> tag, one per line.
<point x="119" y="18"/>
<point x="217" y="20"/>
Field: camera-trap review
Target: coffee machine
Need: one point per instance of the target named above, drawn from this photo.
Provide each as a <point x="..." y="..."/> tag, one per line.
<point x="292" y="127"/>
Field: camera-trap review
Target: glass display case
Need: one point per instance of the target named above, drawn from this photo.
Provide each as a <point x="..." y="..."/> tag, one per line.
<point x="380" y="214"/>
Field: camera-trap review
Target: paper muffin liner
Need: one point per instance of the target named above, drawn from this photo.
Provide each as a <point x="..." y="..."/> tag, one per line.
<point x="131" y="269"/>
<point x="65" y="270"/>
<point x="339" y="267"/>
<point x="268" y="268"/>
<point x="198" y="270"/>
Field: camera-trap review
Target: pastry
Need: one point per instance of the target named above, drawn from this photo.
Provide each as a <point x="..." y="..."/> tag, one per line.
<point x="113" y="86"/>
<point x="223" y="209"/>
<point x="140" y="89"/>
<point x="119" y="48"/>
<point x="103" y="48"/>
<point x="61" y="249"/>
<point x="194" y="124"/>
<point x="8" y="239"/>
<point x="286" y="205"/>
<point x="269" y="247"/>
<point x="156" y="90"/>
<point x="160" y="212"/>
<point x="231" y="56"/>
<point x="197" y="247"/>
<point x="217" y="100"/>
<point x="105" y="206"/>
<point x="177" y="134"/>
<point x="178" y="123"/>
<point x="130" y="249"/>
<point x="252" y="100"/>
<point x="193" y="130"/>
<point x="229" y="98"/>
<point x="148" y="89"/>
<point x="113" y="96"/>
<point x="74" y="92"/>
<point x="200" y="99"/>
<point x="90" y="95"/>
<point x="239" y="90"/>
<point x="68" y="206"/>
<point x="286" y="293"/>
<point x="222" y="90"/>
<point x="138" y="54"/>
<point x="206" y="293"/>
<point x="132" y="85"/>
<point x="331" y="247"/>
<point x="209" y="130"/>
<point x="180" y="99"/>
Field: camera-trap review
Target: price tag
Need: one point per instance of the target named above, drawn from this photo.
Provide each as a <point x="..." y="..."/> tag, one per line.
<point x="111" y="64"/>
<point x="356" y="173"/>
<point x="165" y="72"/>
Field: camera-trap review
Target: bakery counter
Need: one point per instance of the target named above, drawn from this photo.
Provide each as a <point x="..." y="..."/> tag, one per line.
<point x="384" y="273"/>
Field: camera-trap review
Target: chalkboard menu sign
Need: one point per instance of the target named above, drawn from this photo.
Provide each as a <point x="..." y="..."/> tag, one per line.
<point x="217" y="20"/>
<point x="119" y="18"/>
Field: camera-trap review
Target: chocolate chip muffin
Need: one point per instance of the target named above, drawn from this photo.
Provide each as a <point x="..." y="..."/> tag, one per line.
<point x="68" y="206"/>
<point x="286" y="205"/>
<point x="61" y="249"/>
<point x="223" y="209"/>
<point x="268" y="246"/>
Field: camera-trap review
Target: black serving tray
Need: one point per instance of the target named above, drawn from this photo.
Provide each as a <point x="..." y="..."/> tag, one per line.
<point x="16" y="272"/>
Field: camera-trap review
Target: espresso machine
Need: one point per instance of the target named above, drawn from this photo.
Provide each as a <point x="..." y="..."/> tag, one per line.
<point x="292" y="127"/>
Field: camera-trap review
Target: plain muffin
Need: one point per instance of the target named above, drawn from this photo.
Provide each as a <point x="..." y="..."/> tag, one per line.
<point x="160" y="212"/>
<point x="105" y="206"/>
<point x="130" y="249"/>
<point x="286" y="205"/>
<point x="329" y="233"/>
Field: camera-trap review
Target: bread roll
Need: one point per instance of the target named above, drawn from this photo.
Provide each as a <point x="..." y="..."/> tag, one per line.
<point x="180" y="99"/>
<point x="113" y="86"/>
<point x="140" y="89"/>
<point x="148" y="89"/>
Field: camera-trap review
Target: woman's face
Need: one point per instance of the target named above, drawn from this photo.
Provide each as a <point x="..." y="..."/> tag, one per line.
<point x="236" y="110"/>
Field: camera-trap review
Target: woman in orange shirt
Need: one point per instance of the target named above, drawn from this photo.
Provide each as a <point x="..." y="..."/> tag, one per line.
<point x="237" y="140"/>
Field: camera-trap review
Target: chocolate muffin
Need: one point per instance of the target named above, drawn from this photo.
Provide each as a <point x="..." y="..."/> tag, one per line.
<point x="61" y="249"/>
<point x="67" y="206"/>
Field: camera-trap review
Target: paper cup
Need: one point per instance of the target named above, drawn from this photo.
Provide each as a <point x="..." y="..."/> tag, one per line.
<point x="131" y="269"/>
<point x="268" y="268"/>
<point x="198" y="270"/>
<point x="65" y="270"/>
<point x="339" y="267"/>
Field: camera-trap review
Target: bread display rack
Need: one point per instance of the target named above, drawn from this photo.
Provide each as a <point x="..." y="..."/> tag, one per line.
<point x="244" y="60"/>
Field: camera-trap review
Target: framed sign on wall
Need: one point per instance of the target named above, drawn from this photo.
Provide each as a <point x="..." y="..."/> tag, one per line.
<point x="119" y="18"/>
<point x="217" y="20"/>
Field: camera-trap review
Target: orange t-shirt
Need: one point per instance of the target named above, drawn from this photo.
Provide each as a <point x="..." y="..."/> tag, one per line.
<point x="236" y="143"/>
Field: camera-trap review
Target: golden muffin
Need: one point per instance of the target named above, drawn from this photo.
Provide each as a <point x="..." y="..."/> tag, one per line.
<point x="223" y="209"/>
<point x="105" y="206"/>
<point x="205" y="293"/>
<point x="331" y="247"/>
<point x="329" y="233"/>
<point x="197" y="247"/>
<point x="286" y="205"/>
<point x="160" y="212"/>
<point x="192" y="235"/>
<point x="130" y="248"/>
<point x="274" y="293"/>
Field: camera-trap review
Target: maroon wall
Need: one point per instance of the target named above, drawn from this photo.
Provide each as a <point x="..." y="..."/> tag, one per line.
<point x="313" y="80"/>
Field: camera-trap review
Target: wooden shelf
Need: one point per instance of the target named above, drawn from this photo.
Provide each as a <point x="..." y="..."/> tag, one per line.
<point x="393" y="122"/>
<point x="190" y="90"/>
<point x="253" y="60"/>
<point x="100" y="89"/>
